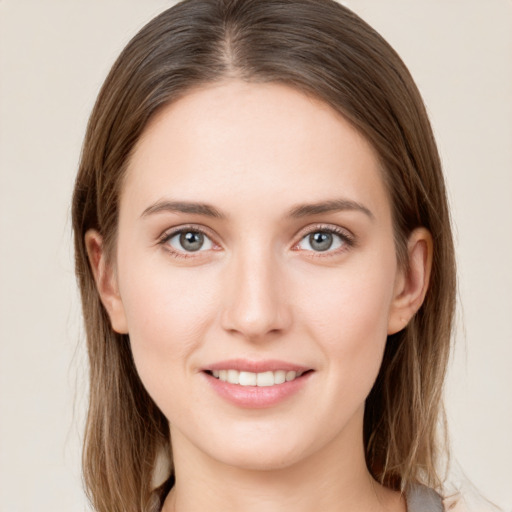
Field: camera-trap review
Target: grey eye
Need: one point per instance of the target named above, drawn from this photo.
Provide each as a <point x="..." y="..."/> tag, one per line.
<point x="190" y="241"/>
<point x="321" y="241"/>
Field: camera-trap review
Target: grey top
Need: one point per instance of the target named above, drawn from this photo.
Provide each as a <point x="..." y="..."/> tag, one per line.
<point x="423" y="499"/>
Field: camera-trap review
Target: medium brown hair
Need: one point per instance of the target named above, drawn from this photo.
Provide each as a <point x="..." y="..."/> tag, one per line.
<point x="323" y="49"/>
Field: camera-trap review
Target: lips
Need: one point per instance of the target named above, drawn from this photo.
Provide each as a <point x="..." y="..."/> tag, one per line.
<point x="256" y="384"/>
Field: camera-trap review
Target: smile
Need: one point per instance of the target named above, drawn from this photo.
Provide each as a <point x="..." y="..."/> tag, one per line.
<point x="256" y="384"/>
<point x="262" y="379"/>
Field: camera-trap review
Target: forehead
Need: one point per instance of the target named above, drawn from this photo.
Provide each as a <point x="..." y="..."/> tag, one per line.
<point x="252" y="142"/>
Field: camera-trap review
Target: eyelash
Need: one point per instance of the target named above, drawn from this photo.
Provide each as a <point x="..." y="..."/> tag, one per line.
<point x="168" y="235"/>
<point x="348" y="240"/>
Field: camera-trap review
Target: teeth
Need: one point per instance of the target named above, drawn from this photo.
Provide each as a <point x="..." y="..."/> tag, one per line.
<point x="247" y="379"/>
<point x="265" y="379"/>
<point x="256" y="379"/>
<point x="233" y="377"/>
<point x="279" y="377"/>
<point x="290" y="376"/>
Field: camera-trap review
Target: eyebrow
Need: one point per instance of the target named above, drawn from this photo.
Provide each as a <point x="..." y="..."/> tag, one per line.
<point x="297" y="212"/>
<point x="184" y="207"/>
<point x="331" y="206"/>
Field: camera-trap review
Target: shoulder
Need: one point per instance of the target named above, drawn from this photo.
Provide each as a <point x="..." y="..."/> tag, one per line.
<point x="420" y="498"/>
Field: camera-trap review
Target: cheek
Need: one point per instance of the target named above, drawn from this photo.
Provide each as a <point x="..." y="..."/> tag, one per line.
<point x="167" y="314"/>
<point x="347" y="313"/>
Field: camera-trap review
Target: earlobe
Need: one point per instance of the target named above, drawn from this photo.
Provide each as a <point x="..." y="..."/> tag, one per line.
<point x="412" y="282"/>
<point x="106" y="282"/>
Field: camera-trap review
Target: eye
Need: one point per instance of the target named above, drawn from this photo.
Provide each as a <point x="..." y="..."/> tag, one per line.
<point x="325" y="240"/>
<point x="188" y="240"/>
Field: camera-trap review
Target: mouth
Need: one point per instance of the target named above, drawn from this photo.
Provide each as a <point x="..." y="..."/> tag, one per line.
<point x="251" y="384"/>
<point x="259" y="379"/>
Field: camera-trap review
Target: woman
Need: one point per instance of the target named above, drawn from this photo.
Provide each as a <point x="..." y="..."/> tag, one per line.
<point x="265" y="258"/>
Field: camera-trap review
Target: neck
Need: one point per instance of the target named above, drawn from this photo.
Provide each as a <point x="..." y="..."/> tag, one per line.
<point x="334" y="479"/>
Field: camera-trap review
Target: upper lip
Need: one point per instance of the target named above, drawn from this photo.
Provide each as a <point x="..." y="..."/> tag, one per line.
<point x="246" y="365"/>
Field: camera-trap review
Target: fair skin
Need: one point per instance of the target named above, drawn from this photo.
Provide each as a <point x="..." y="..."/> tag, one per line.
<point x="270" y="279"/>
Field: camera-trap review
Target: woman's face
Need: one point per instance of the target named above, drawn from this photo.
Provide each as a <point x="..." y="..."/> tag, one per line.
<point x="256" y="245"/>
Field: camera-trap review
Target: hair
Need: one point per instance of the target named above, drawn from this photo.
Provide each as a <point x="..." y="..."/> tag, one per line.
<point x="322" y="49"/>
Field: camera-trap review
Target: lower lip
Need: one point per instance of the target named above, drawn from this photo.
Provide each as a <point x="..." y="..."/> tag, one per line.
<point x="257" y="397"/>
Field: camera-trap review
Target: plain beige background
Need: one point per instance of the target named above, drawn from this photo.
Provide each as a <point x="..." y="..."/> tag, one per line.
<point x="53" y="58"/>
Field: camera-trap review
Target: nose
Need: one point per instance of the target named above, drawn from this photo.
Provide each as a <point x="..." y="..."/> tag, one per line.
<point x="256" y="306"/>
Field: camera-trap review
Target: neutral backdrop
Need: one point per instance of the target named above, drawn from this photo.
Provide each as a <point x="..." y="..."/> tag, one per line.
<point x="54" y="57"/>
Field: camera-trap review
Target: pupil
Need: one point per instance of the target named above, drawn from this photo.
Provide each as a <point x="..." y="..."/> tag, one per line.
<point x="320" y="241"/>
<point x="191" y="241"/>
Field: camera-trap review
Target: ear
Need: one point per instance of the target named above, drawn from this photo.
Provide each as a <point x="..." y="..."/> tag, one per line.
<point x="411" y="283"/>
<point x="106" y="281"/>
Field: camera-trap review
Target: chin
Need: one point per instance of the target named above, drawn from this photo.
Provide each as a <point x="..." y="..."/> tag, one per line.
<point x="264" y="450"/>
<point x="267" y="459"/>
<point x="252" y="449"/>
